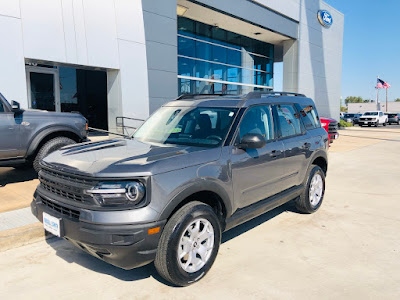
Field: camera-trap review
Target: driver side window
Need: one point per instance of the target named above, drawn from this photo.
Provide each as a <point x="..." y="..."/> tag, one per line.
<point x="1" y="107"/>
<point x="257" y="119"/>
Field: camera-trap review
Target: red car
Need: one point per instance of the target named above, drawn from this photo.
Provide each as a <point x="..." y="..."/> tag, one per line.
<point x="331" y="127"/>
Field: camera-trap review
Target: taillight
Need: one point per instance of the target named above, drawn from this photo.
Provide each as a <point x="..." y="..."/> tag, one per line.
<point x="87" y="126"/>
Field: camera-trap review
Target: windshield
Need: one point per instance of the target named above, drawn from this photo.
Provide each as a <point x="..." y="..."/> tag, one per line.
<point x="200" y="126"/>
<point x="391" y="115"/>
<point x="371" y="113"/>
<point x="348" y="115"/>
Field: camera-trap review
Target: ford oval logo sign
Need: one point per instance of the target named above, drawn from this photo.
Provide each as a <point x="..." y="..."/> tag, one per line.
<point x="325" y="18"/>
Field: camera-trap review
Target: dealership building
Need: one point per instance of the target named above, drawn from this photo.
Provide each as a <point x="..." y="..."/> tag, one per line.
<point x="125" y="58"/>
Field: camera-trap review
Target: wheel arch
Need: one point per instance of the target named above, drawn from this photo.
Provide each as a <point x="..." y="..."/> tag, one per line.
<point x="49" y="133"/>
<point x="321" y="161"/>
<point x="210" y="194"/>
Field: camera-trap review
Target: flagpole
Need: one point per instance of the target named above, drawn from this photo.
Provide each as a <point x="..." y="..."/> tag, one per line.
<point x="386" y="99"/>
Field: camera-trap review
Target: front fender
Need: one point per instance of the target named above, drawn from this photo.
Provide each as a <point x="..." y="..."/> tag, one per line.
<point x="35" y="141"/>
<point x="200" y="185"/>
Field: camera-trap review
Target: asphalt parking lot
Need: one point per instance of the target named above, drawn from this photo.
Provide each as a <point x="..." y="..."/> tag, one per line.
<point x="349" y="249"/>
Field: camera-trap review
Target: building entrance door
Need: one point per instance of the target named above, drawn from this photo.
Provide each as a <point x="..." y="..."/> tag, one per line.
<point x="43" y="88"/>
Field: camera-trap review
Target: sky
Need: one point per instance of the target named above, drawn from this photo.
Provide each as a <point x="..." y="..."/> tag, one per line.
<point x="371" y="47"/>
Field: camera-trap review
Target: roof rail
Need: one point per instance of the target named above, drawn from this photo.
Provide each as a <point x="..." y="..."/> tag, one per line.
<point x="272" y="93"/>
<point x="192" y="96"/>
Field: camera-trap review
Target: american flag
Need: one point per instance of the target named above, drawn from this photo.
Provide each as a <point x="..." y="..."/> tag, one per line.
<point x="382" y="84"/>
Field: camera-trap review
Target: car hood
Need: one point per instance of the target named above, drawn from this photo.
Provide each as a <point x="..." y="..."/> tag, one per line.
<point x="127" y="158"/>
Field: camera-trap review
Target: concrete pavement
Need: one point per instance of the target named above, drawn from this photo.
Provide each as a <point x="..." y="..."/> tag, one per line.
<point x="349" y="249"/>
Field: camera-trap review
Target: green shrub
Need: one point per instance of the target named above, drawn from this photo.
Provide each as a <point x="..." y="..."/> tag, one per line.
<point x="343" y="123"/>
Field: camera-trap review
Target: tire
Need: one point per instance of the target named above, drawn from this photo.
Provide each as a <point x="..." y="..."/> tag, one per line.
<point x="49" y="147"/>
<point x="384" y="124"/>
<point x="303" y="203"/>
<point x="376" y="124"/>
<point x="167" y="262"/>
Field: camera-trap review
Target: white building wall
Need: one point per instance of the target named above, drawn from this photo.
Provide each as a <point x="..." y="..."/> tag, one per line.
<point x="12" y="77"/>
<point x="320" y="57"/>
<point x="105" y="34"/>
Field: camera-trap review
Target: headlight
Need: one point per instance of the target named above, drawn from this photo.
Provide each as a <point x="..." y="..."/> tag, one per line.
<point x="117" y="193"/>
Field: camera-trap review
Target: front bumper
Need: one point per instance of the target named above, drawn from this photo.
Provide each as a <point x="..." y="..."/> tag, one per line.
<point x="333" y="136"/>
<point x="367" y="122"/>
<point x="126" y="246"/>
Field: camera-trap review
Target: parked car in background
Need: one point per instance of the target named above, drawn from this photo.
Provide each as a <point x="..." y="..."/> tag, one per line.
<point x="375" y="118"/>
<point x="331" y="127"/>
<point x="197" y="167"/>
<point x="26" y="136"/>
<point x="393" y="118"/>
<point x="351" y="118"/>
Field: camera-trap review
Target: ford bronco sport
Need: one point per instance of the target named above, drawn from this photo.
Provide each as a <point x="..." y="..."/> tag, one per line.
<point x="197" y="167"/>
<point x="29" y="135"/>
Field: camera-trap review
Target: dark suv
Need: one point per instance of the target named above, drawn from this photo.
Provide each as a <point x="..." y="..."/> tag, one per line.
<point x="26" y="136"/>
<point x="198" y="166"/>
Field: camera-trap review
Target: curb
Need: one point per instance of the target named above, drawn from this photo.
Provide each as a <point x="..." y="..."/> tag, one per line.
<point x="20" y="236"/>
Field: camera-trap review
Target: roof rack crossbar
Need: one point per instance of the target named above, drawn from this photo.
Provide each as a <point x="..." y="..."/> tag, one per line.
<point x="271" y="93"/>
<point x="191" y="96"/>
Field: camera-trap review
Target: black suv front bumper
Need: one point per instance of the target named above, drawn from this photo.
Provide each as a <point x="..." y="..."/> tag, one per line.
<point x="124" y="246"/>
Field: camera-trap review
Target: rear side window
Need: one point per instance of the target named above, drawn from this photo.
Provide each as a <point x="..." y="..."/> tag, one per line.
<point x="288" y="120"/>
<point x="1" y="106"/>
<point x="309" y="116"/>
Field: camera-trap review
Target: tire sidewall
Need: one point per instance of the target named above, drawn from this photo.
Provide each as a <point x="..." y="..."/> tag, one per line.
<point x="175" y="270"/>
<point x="314" y="170"/>
<point x="49" y="147"/>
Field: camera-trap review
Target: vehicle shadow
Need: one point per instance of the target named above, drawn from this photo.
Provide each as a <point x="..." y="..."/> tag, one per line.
<point x="71" y="254"/>
<point x="11" y="175"/>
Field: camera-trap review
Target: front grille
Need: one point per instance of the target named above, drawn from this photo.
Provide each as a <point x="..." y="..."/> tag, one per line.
<point x="74" y="214"/>
<point x="366" y="119"/>
<point x="59" y="192"/>
<point x="333" y="127"/>
<point x="66" y="186"/>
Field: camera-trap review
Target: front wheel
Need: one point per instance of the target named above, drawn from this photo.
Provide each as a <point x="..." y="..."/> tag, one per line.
<point x="384" y="124"/>
<point x="49" y="147"/>
<point x="311" y="199"/>
<point x="189" y="244"/>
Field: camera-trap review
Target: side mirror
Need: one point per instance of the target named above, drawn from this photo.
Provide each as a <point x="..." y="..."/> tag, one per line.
<point x="252" y="141"/>
<point x="15" y="106"/>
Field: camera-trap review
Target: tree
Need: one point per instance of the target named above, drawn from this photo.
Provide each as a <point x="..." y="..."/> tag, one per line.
<point x="353" y="99"/>
<point x="397" y="100"/>
<point x="343" y="109"/>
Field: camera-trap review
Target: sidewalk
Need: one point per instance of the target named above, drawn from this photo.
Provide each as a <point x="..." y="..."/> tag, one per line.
<point x="18" y="226"/>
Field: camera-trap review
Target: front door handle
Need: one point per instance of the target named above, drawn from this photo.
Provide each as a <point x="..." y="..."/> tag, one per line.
<point x="275" y="153"/>
<point x="306" y="146"/>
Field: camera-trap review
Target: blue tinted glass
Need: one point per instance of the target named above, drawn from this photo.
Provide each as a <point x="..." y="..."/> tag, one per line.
<point x="203" y="50"/>
<point x="233" y="74"/>
<point x="219" y="54"/>
<point x="216" y="58"/>
<point x="203" y="69"/>
<point x="185" y="66"/>
<point x="218" y="72"/>
<point x="186" y="47"/>
<point x="233" y="57"/>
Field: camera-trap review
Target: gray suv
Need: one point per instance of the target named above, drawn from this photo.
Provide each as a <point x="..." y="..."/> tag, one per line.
<point x="197" y="167"/>
<point x="29" y="135"/>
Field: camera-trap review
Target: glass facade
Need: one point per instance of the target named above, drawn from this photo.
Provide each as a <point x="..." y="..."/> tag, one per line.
<point x="213" y="60"/>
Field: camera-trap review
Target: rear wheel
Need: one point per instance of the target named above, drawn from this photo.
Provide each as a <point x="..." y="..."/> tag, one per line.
<point x="49" y="147"/>
<point x="189" y="244"/>
<point x="311" y="199"/>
